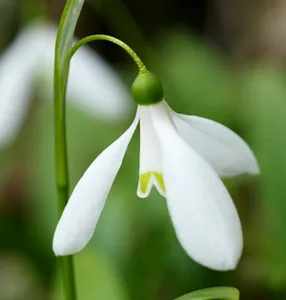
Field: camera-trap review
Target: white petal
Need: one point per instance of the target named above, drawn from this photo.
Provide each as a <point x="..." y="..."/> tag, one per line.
<point x="205" y="219"/>
<point x="82" y="212"/>
<point x="17" y="69"/>
<point x="227" y="153"/>
<point x="150" y="156"/>
<point x="93" y="86"/>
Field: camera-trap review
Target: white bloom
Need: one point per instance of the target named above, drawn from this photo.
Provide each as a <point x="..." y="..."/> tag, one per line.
<point x="92" y="84"/>
<point x="182" y="157"/>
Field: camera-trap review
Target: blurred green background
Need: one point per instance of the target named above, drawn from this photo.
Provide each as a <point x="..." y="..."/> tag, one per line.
<point x="223" y="60"/>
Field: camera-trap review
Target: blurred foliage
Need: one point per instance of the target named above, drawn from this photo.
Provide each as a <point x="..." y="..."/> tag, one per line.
<point x="134" y="253"/>
<point x="110" y="287"/>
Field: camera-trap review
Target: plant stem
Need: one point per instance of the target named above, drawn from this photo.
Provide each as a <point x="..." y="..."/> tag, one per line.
<point x="62" y="180"/>
<point x="68" y="277"/>
<point x="103" y="37"/>
<point x="64" y="40"/>
<point x="62" y="177"/>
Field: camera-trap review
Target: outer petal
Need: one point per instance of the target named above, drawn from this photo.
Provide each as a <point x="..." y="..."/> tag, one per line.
<point x="150" y="156"/>
<point x="17" y="68"/>
<point x="82" y="212"/>
<point x="205" y="219"/>
<point x="92" y="85"/>
<point x="227" y="153"/>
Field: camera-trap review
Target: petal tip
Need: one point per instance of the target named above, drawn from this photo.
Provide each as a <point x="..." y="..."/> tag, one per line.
<point x="252" y="166"/>
<point x="223" y="264"/>
<point x="144" y="185"/>
<point x="227" y="265"/>
<point x="147" y="180"/>
<point x="61" y="249"/>
<point x="256" y="169"/>
<point x="141" y="195"/>
<point x="58" y="249"/>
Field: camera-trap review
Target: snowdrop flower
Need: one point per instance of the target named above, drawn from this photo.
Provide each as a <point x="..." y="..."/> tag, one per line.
<point x="92" y="84"/>
<point x="183" y="157"/>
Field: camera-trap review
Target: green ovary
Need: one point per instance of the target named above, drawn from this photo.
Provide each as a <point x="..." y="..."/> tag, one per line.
<point x="146" y="177"/>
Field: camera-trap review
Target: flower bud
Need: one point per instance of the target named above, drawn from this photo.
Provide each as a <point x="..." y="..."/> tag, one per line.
<point x="147" y="89"/>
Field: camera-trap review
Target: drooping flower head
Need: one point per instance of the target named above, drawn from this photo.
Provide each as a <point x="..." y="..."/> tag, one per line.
<point x="183" y="157"/>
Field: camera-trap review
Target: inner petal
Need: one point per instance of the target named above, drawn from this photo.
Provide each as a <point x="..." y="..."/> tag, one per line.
<point x="147" y="180"/>
<point x="150" y="172"/>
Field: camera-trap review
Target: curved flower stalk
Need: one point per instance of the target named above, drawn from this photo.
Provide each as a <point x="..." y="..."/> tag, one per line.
<point x="92" y="85"/>
<point x="183" y="157"/>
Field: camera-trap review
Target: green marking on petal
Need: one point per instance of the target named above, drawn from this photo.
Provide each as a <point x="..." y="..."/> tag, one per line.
<point x="160" y="180"/>
<point x="145" y="180"/>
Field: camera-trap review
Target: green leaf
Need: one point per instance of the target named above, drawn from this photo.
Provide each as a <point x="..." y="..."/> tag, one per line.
<point x="216" y="293"/>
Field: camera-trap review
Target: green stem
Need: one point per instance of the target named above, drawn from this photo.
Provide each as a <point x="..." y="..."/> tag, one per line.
<point x="61" y="69"/>
<point x="103" y="37"/>
<point x="62" y="181"/>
